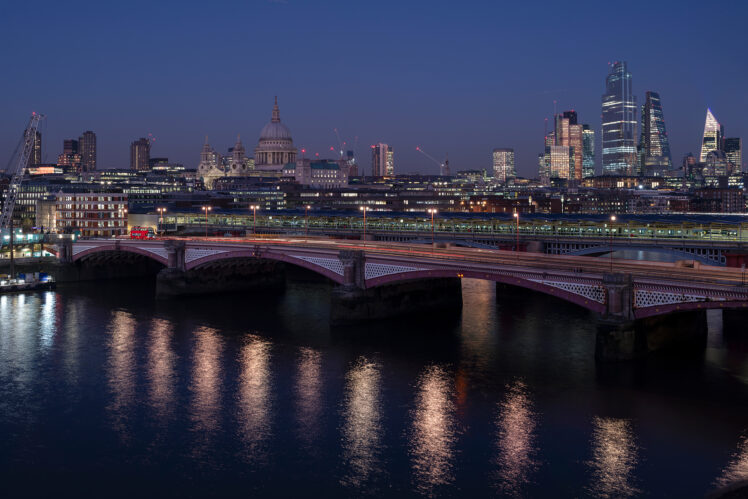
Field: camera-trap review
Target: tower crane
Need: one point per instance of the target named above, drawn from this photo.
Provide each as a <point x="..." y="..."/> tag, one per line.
<point x="443" y="167"/>
<point x="16" y="172"/>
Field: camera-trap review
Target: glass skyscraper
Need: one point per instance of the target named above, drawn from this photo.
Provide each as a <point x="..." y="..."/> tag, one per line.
<point x="654" y="145"/>
<point x="713" y="135"/>
<point x="588" y="151"/>
<point x="619" y="123"/>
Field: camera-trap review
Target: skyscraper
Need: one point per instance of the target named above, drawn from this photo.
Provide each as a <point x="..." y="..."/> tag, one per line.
<point x="140" y="154"/>
<point x="503" y="164"/>
<point x="588" y="151"/>
<point x="654" y="145"/>
<point x="70" y="156"/>
<point x="36" y="151"/>
<point x="734" y="153"/>
<point x="713" y="135"/>
<point x="382" y="160"/>
<point x="87" y="148"/>
<point x="619" y="122"/>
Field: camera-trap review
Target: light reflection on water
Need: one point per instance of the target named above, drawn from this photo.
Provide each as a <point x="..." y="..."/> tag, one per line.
<point x="362" y="432"/>
<point x="309" y="393"/>
<point x="255" y="397"/>
<point x="516" y="456"/>
<point x="160" y="368"/>
<point x="205" y="385"/>
<point x="615" y="455"/>
<point x="121" y="370"/>
<point x="737" y="469"/>
<point x="370" y="418"/>
<point x="434" y="434"/>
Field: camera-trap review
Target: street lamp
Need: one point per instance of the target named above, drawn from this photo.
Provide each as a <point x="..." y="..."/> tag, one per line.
<point x="306" y="220"/>
<point x="206" y="209"/>
<point x="433" y="212"/>
<point x="610" y="231"/>
<point x="254" y="209"/>
<point x="161" y="218"/>
<point x="516" y="232"/>
<point x="364" y="209"/>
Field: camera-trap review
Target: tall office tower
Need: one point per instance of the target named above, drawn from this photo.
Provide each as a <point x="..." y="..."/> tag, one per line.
<point x="569" y="134"/>
<point x="561" y="161"/>
<point x="713" y="135"/>
<point x="140" y="154"/>
<point x="619" y="122"/>
<point x="87" y="148"/>
<point x="654" y="145"/>
<point x="689" y="164"/>
<point x="382" y="160"/>
<point x="544" y="160"/>
<point x="503" y="164"/>
<point x="70" y="156"/>
<point x="588" y="151"/>
<point x="734" y="153"/>
<point x="36" y="151"/>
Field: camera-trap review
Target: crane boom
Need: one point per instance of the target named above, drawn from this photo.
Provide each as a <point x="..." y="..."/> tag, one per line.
<point x="443" y="167"/>
<point x="16" y="174"/>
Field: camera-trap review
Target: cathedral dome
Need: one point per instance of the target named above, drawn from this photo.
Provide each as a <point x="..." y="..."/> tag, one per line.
<point x="275" y="130"/>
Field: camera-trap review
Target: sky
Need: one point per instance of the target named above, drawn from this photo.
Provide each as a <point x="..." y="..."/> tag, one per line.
<point x="456" y="77"/>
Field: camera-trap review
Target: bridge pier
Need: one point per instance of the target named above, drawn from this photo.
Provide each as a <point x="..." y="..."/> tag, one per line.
<point x="621" y="337"/>
<point x="352" y="303"/>
<point x="224" y="276"/>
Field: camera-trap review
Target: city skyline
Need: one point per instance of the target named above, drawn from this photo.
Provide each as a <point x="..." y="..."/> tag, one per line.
<point x="460" y="108"/>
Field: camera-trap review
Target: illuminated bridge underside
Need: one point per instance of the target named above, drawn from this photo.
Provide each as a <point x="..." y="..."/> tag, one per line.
<point x="651" y="296"/>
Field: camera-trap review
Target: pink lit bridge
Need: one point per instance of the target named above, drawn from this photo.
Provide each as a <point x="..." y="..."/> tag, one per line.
<point x="617" y="288"/>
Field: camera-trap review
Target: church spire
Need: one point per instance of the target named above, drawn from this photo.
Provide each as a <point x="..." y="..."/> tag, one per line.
<point x="276" y="112"/>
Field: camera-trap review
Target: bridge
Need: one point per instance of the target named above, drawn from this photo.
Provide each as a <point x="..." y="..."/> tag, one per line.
<point x="619" y="291"/>
<point x="708" y="239"/>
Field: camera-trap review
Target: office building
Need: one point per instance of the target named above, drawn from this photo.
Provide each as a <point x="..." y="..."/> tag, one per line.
<point x="654" y="145"/>
<point x="382" y="160"/>
<point x="734" y="153"/>
<point x="87" y="150"/>
<point x="714" y="133"/>
<point x="70" y="159"/>
<point x="619" y="123"/>
<point x="140" y="154"/>
<point x="503" y="164"/>
<point x="588" y="152"/>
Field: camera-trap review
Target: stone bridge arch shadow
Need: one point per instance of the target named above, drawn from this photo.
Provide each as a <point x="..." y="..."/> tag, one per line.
<point x="585" y="293"/>
<point x="112" y="262"/>
<point x="244" y="270"/>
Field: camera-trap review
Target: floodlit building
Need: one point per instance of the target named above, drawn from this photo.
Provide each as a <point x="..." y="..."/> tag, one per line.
<point x="382" y="160"/>
<point x="619" y="122"/>
<point x="503" y="164"/>
<point x="654" y="145"/>
<point x="714" y="132"/>
<point x="275" y="148"/>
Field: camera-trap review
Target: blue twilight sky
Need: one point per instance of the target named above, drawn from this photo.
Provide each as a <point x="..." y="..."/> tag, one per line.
<point x="451" y="76"/>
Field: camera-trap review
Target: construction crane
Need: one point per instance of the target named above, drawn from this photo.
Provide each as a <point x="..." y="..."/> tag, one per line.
<point x="443" y="167"/>
<point x="16" y="172"/>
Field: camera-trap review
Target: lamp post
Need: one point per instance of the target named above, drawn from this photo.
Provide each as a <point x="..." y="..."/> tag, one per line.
<point x="516" y="233"/>
<point x="161" y="218"/>
<point x="364" y="209"/>
<point x="433" y="212"/>
<point x="612" y="219"/>
<point x="206" y="209"/>
<point x="254" y="209"/>
<point x="306" y="220"/>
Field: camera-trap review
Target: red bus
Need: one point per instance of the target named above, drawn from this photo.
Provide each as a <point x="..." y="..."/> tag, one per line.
<point x="142" y="233"/>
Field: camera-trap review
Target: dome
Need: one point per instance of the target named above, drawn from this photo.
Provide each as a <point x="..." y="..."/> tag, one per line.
<point x="275" y="130"/>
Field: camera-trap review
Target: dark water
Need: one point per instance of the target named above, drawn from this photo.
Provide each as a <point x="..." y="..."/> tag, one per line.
<point x="106" y="392"/>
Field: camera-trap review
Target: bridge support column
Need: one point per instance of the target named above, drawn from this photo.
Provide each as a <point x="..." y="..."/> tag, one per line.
<point x="352" y="303"/>
<point x="65" y="251"/>
<point x="621" y="337"/>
